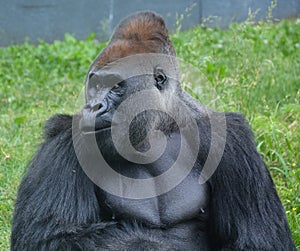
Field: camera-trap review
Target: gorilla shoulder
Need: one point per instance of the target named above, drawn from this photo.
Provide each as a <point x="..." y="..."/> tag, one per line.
<point x="57" y="124"/>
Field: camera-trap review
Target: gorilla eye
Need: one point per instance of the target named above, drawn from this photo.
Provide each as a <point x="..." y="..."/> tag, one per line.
<point x="160" y="78"/>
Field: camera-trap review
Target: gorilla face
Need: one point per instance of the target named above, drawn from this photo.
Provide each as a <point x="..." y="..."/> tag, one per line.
<point x="129" y="82"/>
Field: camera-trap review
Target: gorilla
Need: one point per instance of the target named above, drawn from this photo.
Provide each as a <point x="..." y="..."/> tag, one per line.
<point x="144" y="166"/>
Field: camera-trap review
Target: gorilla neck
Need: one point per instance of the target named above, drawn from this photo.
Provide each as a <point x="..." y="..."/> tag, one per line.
<point x="144" y="171"/>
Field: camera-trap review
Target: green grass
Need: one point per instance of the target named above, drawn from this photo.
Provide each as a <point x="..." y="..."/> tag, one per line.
<point x="255" y="69"/>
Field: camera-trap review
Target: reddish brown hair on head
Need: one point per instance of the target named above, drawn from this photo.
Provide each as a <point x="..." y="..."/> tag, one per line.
<point x="142" y="32"/>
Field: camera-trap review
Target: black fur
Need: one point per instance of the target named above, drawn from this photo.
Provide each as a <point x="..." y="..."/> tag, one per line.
<point x="57" y="208"/>
<point x="247" y="213"/>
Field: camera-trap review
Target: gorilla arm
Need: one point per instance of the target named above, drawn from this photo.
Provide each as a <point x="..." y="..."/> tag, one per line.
<point x="246" y="213"/>
<point x="56" y="203"/>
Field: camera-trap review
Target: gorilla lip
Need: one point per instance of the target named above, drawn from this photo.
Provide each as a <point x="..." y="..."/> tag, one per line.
<point x="94" y="125"/>
<point x="88" y="132"/>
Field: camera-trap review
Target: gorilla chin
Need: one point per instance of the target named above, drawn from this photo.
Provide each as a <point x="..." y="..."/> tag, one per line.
<point x="124" y="173"/>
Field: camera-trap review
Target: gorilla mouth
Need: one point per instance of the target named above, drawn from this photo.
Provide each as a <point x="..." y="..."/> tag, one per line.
<point x="87" y="131"/>
<point x="94" y="127"/>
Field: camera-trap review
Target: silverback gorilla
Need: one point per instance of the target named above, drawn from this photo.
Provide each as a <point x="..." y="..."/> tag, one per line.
<point x="176" y="177"/>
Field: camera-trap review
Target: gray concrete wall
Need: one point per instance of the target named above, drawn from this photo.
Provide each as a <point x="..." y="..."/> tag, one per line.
<point x="238" y="10"/>
<point x="50" y="20"/>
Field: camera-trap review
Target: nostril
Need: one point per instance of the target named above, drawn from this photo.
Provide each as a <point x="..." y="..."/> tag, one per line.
<point x="96" y="107"/>
<point x="100" y="108"/>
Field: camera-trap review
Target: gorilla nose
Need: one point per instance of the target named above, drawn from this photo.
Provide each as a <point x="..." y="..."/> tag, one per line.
<point x="100" y="108"/>
<point x="95" y="117"/>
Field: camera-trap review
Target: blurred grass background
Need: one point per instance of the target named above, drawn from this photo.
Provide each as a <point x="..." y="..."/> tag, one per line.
<point x="254" y="68"/>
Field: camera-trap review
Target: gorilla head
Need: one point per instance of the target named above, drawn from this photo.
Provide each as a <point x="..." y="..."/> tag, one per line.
<point x="133" y="90"/>
<point x="139" y="57"/>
